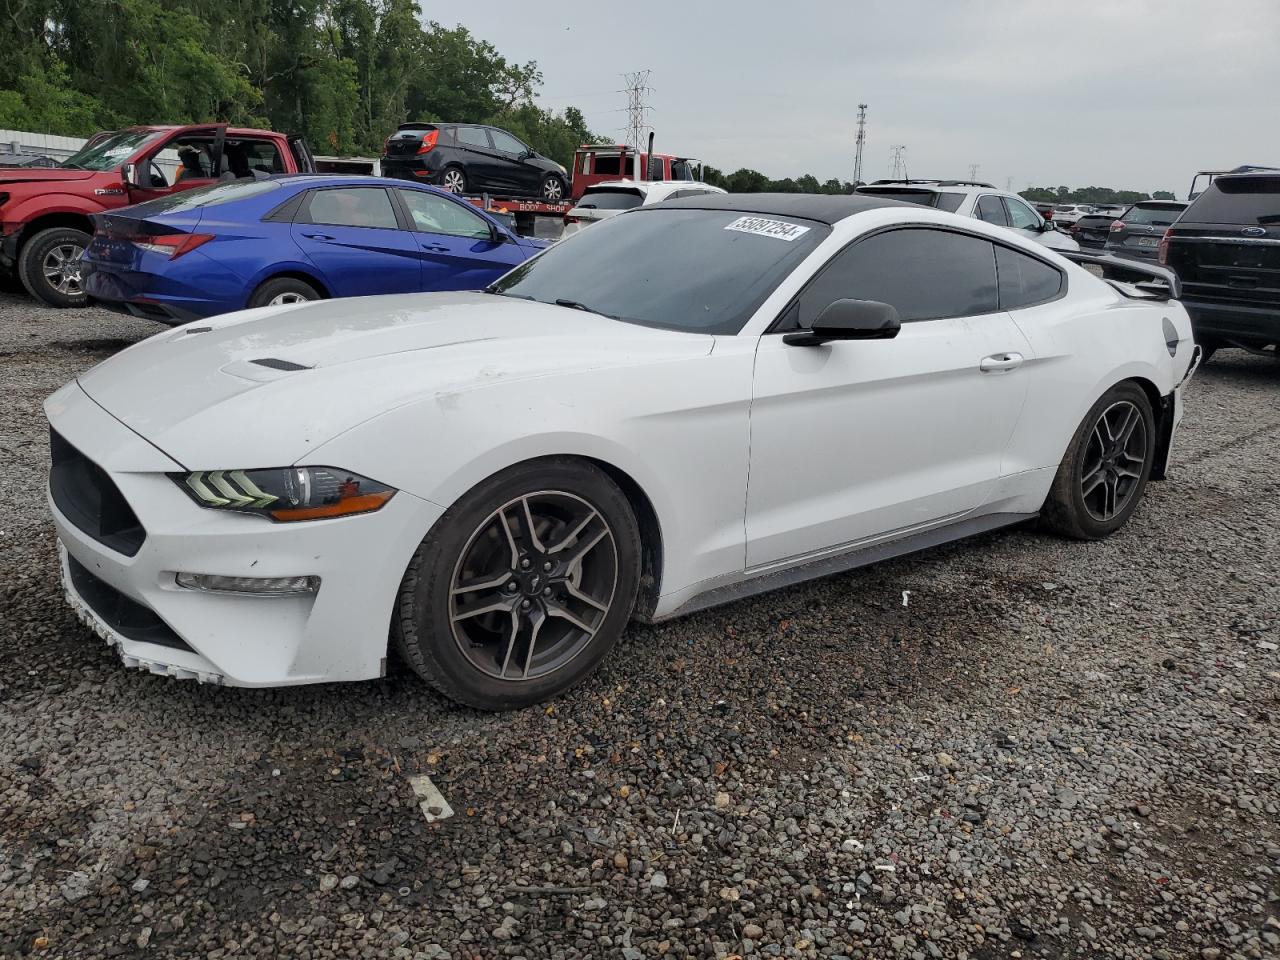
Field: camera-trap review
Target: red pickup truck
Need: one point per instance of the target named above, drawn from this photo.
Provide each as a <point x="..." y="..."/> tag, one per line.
<point x="44" y="213"/>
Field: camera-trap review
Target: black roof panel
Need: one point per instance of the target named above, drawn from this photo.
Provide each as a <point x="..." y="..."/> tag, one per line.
<point x="824" y="208"/>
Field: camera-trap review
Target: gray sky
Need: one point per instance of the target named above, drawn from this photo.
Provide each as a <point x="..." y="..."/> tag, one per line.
<point x="1131" y="94"/>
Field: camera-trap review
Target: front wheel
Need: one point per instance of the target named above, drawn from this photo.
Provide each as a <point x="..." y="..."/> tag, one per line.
<point x="1106" y="468"/>
<point x="553" y="190"/>
<point x="49" y="266"/>
<point x="522" y="586"/>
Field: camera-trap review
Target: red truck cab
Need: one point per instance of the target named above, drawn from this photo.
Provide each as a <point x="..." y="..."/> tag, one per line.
<point x="599" y="162"/>
<point x="44" y="213"/>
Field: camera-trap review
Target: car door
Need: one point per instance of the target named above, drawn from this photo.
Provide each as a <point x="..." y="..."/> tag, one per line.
<point x="354" y="238"/>
<point x="523" y="176"/>
<point x="1023" y="219"/>
<point x="856" y="440"/>
<point x="483" y="169"/>
<point x="458" y="249"/>
<point x="191" y="157"/>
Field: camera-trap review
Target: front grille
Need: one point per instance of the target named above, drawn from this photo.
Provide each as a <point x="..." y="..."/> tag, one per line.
<point x="89" y="499"/>
<point x="123" y="614"/>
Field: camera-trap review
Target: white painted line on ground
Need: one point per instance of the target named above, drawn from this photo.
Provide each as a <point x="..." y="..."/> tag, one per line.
<point x="430" y="800"/>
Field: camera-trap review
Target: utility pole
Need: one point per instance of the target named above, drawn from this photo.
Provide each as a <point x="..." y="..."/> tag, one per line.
<point x="898" y="161"/>
<point x="637" y="91"/>
<point x="973" y="172"/>
<point x="862" y="139"/>
<point x="1008" y="184"/>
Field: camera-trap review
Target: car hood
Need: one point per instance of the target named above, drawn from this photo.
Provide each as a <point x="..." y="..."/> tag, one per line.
<point x="47" y="174"/>
<point x="264" y="387"/>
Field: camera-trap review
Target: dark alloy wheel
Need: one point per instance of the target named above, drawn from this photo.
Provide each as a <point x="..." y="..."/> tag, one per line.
<point x="1106" y="468"/>
<point x="522" y="586"/>
<point x="532" y="585"/>
<point x="553" y="189"/>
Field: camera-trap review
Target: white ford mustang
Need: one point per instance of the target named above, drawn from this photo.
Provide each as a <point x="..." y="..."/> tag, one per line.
<point x="688" y="403"/>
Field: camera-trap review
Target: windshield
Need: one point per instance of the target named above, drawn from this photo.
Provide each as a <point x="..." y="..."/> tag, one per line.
<point x="704" y="271"/>
<point x="110" y="153"/>
<point x="1153" y="216"/>
<point x="611" y="198"/>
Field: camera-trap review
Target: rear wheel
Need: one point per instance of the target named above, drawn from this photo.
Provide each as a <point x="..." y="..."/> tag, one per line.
<point x="553" y="190"/>
<point x="522" y="586"/>
<point x="454" y="179"/>
<point x="49" y="266"/>
<point x="1103" y="475"/>
<point x="283" y="290"/>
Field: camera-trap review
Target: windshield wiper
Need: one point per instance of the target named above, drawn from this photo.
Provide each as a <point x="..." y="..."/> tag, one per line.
<point x="72" y="166"/>
<point x="578" y="305"/>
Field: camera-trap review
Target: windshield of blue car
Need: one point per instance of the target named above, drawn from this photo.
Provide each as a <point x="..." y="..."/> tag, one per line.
<point x="208" y="196"/>
<point x="703" y="271"/>
<point x="112" y="152"/>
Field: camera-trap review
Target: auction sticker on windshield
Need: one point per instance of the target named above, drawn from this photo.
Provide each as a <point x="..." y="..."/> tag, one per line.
<point x="762" y="227"/>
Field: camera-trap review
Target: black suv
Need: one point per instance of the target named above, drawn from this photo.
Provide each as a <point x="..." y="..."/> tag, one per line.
<point x="473" y="158"/>
<point x="1225" y="249"/>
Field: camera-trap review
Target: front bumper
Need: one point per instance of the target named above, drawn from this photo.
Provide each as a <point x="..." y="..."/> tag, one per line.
<point x="337" y="633"/>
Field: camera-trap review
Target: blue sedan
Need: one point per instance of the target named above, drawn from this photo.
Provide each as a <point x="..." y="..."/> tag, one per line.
<point x="290" y="239"/>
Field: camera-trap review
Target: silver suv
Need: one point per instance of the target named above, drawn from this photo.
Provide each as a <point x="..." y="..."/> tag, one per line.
<point x="979" y="200"/>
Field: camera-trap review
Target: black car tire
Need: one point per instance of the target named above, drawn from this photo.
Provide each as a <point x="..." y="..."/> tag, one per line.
<point x="283" y="290"/>
<point x="474" y="658"/>
<point x="553" y="189"/>
<point x="454" y="179"/>
<point x="42" y="253"/>
<point x="1071" y="509"/>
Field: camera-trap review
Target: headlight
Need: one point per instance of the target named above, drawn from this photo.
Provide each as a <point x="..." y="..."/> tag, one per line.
<point x="285" y="493"/>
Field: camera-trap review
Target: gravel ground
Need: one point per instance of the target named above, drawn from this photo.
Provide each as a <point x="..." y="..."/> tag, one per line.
<point x="1056" y="750"/>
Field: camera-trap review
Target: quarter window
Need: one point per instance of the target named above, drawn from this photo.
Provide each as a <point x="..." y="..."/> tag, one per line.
<point x="472" y="137"/>
<point x="1020" y="215"/>
<point x="991" y="210"/>
<point x="435" y="214"/>
<point x="925" y="274"/>
<point x="1025" y="280"/>
<point x="352" y="207"/>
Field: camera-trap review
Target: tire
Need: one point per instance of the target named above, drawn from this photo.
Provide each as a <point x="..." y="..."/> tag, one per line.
<point x="553" y="189"/>
<point x="473" y="657"/>
<point x="283" y="290"/>
<point x="54" y="250"/>
<point x="1078" y="507"/>
<point x="454" y="179"/>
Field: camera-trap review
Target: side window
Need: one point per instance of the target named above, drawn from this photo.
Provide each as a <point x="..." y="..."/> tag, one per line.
<point x="250" y="158"/>
<point x="472" y="137"/>
<point x="991" y="210"/>
<point x="949" y="202"/>
<point x="926" y="274"/>
<point x="1020" y="215"/>
<point x="1025" y="280"/>
<point x="351" y="207"/>
<point x="433" y="214"/>
<point x="187" y="158"/>
<point x="506" y="142"/>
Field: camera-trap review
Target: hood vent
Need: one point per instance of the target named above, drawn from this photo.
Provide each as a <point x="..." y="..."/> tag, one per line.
<point x="275" y="364"/>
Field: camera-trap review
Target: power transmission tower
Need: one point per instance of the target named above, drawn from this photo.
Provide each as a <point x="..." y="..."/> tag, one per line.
<point x="898" y="161"/>
<point x="973" y="172"/>
<point x="862" y="139"/>
<point x="637" y="91"/>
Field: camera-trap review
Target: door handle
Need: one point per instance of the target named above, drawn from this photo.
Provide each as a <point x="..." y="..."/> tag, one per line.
<point x="1000" y="362"/>
<point x="435" y="248"/>
<point x="317" y="236"/>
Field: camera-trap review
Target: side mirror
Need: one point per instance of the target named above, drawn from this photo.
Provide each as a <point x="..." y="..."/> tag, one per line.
<point x="498" y="235"/>
<point x="129" y="174"/>
<point x="1047" y="226"/>
<point x="849" y="320"/>
<point x="527" y="155"/>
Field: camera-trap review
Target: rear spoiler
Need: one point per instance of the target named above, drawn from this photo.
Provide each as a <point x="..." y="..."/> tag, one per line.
<point x="1133" y="278"/>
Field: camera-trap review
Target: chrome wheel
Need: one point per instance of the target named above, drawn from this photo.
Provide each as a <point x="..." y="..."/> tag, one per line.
<point x="1114" y="458"/>
<point x="552" y="190"/>
<point x="289" y="297"/>
<point x="533" y="585"/>
<point x="454" y="181"/>
<point x="61" y="268"/>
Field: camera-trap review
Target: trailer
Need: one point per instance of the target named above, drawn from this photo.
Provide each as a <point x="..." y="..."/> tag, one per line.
<point x="528" y="217"/>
